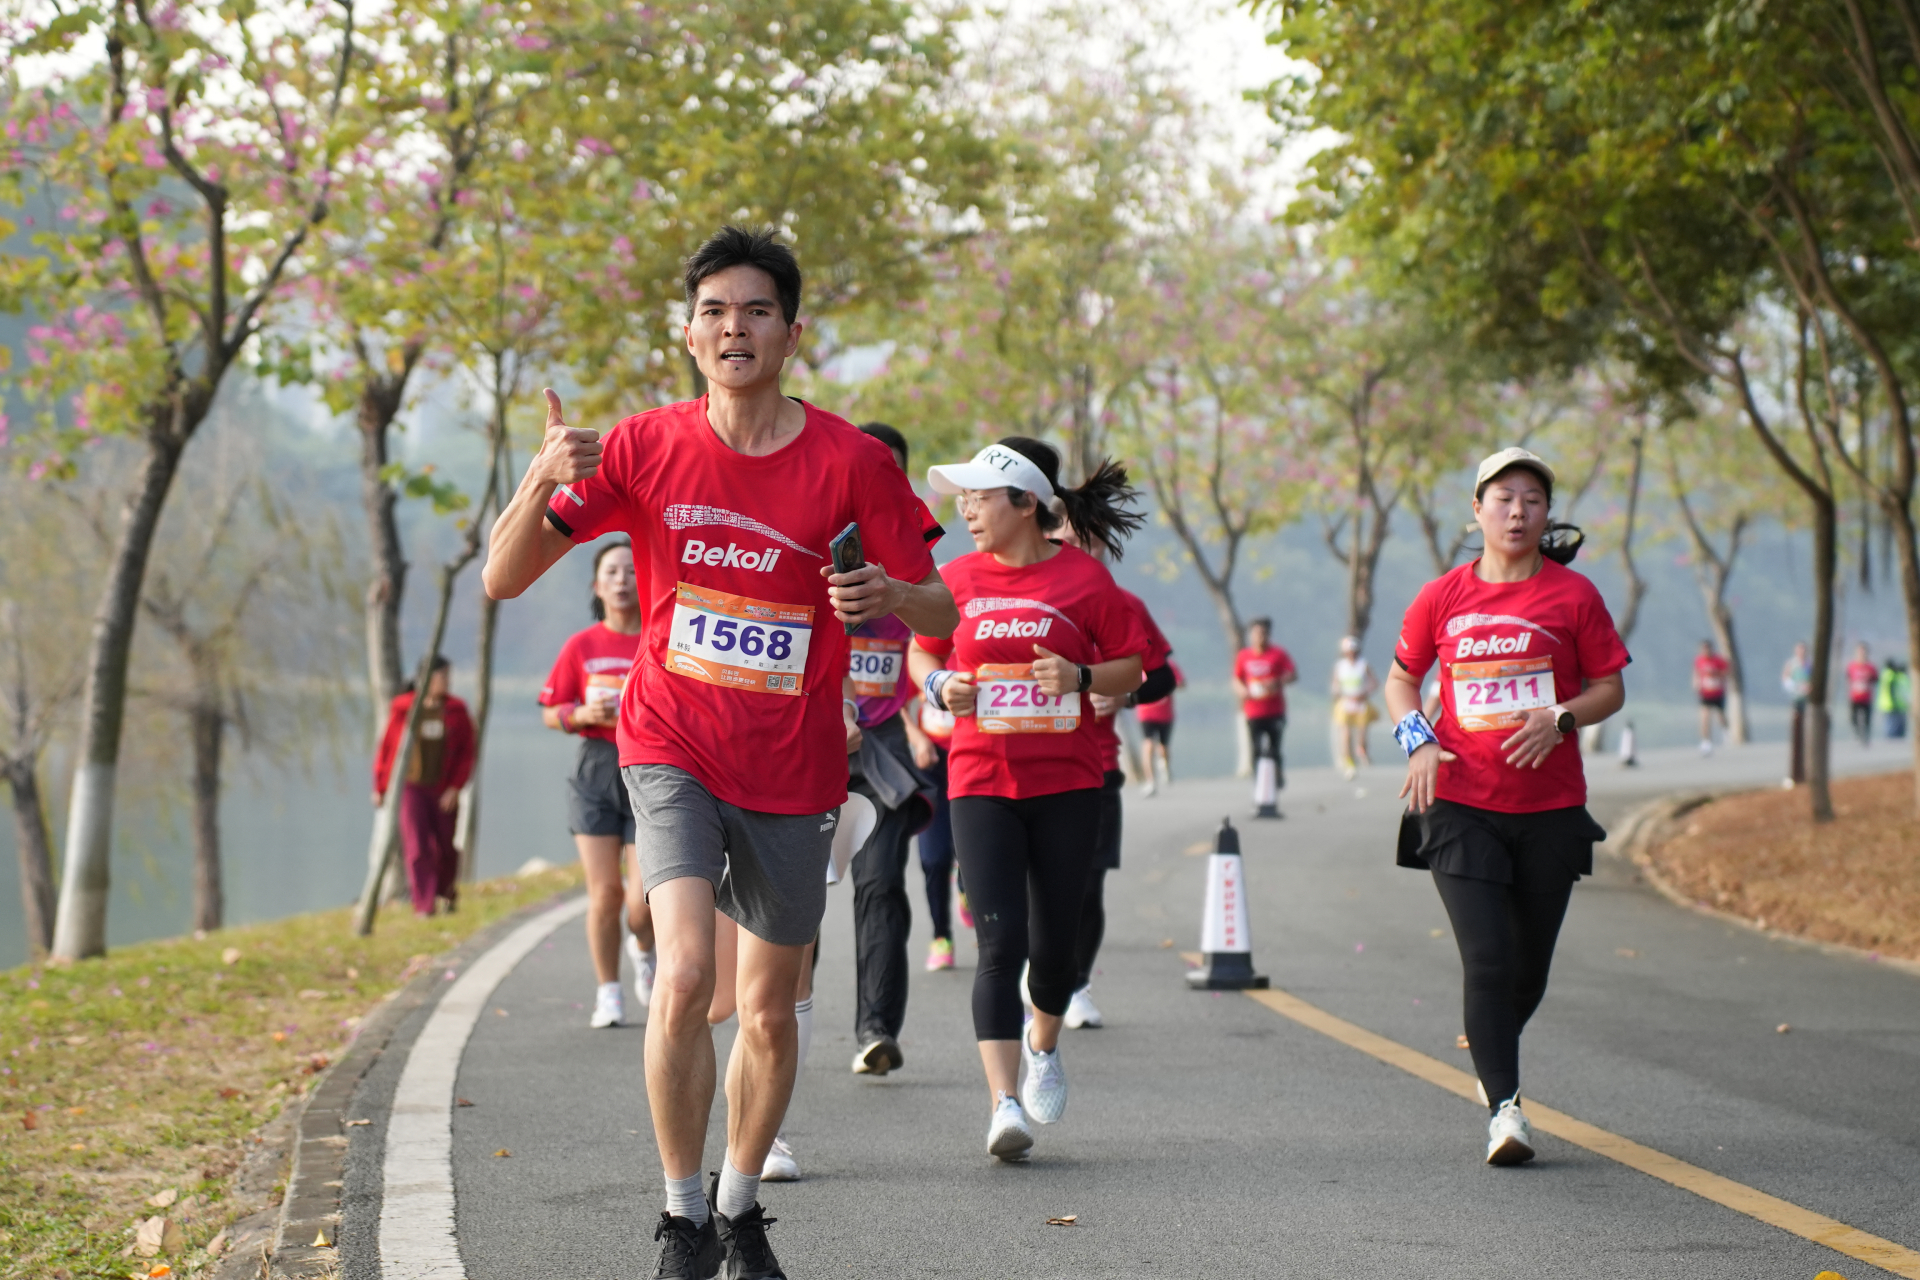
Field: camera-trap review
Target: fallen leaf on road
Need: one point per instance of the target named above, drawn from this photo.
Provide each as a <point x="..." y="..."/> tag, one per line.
<point x="499" y="1013"/>
<point x="158" y="1235"/>
<point x="230" y="956"/>
<point x="216" y="1245"/>
<point x="1166" y="944"/>
<point x="462" y="1102"/>
<point x="320" y="1240"/>
<point x="1829" y="1275"/>
<point x="1626" y="953"/>
<point x="1064" y="1221"/>
<point x="502" y="1152"/>
<point x="355" y="1124"/>
<point x="1460" y="1042"/>
<point x="1783" y="1028"/>
<point x="1436" y="933"/>
<point x="1195" y="850"/>
<point x="161" y="1199"/>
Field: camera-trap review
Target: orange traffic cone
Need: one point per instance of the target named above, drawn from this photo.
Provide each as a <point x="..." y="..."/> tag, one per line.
<point x="1224" y="938"/>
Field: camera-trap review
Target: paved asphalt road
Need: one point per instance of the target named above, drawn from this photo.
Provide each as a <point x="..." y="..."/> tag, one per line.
<point x="1209" y="1136"/>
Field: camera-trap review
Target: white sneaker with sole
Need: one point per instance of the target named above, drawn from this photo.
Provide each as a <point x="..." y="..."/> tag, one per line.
<point x="1509" y="1136"/>
<point x="1044" y="1092"/>
<point x="780" y="1165"/>
<point x="1082" y="1012"/>
<point x="1008" y="1136"/>
<point x="645" y="965"/>
<point x="609" y="1010"/>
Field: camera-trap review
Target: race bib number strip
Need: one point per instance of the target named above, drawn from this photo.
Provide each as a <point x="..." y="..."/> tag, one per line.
<point x="1010" y="700"/>
<point x="1497" y="695"/>
<point x="737" y="642"/>
<point x="605" y="690"/>
<point x="876" y="666"/>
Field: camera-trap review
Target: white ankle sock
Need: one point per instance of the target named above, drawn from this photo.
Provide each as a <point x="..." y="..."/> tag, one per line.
<point x="686" y="1200"/>
<point x="610" y="986"/>
<point x="803" y="1014"/>
<point x="738" y="1193"/>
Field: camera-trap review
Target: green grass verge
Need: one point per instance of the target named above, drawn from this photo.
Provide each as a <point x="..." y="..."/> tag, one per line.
<point x="144" y="1073"/>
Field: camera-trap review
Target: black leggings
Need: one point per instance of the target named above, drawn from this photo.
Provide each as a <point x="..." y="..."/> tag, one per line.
<point x="1026" y="864"/>
<point x="1861" y="713"/>
<point x="1265" y="732"/>
<point x="1506" y="935"/>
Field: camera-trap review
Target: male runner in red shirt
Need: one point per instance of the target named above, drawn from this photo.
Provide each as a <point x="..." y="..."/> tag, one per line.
<point x="1261" y="672"/>
<point x="1710" y="683"/>
<point x="732" y="738"/>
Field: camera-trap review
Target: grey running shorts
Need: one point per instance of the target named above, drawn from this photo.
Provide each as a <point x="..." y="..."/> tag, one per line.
<point x="768" y="870"/>
<point x="597" y="803"/>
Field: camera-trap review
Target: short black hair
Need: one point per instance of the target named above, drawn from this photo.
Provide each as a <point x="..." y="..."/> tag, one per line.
<point x="737" y="247"/>
<point x="887" y="436"/>
<point x="1267" y="623"/>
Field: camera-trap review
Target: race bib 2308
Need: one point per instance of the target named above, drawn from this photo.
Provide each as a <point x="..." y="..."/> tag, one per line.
<point x="875" y="666"/>
<point x="1010" y="700"/>
<point x="1497" y="695"/>
<point x="737" y="642"/>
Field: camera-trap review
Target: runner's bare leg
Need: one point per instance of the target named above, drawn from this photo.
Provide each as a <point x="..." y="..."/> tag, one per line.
<point x="766" y="1054"/>
<point x="600" y="860"/>
<point x="639" y="914"/>
<point x="680" y="1066"/>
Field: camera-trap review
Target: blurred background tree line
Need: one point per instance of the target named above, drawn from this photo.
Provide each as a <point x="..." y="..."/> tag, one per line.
<point x="1665" y="246"/>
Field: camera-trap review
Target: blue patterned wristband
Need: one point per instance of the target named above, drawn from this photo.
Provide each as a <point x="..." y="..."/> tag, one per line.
<point x="1413" y="732"/>
<point x="933" y="684"/>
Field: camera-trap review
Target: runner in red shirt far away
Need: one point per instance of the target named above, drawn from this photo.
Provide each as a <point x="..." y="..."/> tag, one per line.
<point x="1862" y="678"/>
<point x="1261" y="673"/>
<point x="733" y="729"/>
<point x="1497" y="799"/>
<point x="1710" y="683"/>
<point x="582" y="696"/>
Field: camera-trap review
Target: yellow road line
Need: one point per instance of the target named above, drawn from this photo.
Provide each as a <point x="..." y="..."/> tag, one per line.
<point x="1737" y="1196"/>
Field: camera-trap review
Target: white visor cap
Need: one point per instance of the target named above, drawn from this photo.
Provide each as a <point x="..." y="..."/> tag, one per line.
<point x="994" y="467"/>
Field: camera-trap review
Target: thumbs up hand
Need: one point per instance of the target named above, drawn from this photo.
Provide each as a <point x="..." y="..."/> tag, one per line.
<point x="566" y="453"/>
<point x="1056" y="675"/>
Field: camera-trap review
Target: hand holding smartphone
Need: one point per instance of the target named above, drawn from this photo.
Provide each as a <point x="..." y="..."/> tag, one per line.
<point x="848" y="556"/>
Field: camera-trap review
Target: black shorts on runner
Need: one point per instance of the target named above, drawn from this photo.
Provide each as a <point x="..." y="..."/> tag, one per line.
<point x="1717" y="701"/>
<point x="1160" y="731"/>
<point x="1526" y="850"/>
<point x="597" y="801"/>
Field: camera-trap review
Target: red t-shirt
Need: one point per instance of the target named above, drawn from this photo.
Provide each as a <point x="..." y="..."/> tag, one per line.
<point x="1160" y="712"/>
<point x="1508" y="647"/>
<point x="1861" y="677"/>
<point x="739" y="683"/>
<point x="1068" y="604"/>
<point x="1264" y="674"/>
<point x="592" y="668"/>
<point x="1710" y="675"/>
<point x="1158" y="651"/>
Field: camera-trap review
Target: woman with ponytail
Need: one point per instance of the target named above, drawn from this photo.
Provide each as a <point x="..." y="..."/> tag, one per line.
<point x="1042" y="626"/>
<point x="1497" y="799"/>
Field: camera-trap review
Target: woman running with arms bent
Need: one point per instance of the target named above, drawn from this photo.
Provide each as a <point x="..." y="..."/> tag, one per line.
<point x="1497" y="797"/>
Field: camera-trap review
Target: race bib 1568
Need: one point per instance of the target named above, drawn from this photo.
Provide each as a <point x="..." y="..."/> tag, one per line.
<point x="1497" y="695"/>
<point x="875" y="666"/>
<point x="1010" y="700"/>
<point x="737" y="642"/>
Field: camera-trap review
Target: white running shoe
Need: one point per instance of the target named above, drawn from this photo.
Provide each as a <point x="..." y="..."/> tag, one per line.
<point x="1026" y="992"/>
<point x="645" y="965"/>
<point x="1150" y="788"/>
<point x="1706" y="746"/>
<point x="1008" y="1137"/>
<point x="1082" y="1012"/>
<point x="780" y="1165"/>
<point x="609" y="1010"/>
<point x="1044" y="1092"/>
<point x="1509" y="1136"/>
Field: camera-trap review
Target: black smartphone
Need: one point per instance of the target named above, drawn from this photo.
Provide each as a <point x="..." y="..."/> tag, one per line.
<point x="847" y="556"/>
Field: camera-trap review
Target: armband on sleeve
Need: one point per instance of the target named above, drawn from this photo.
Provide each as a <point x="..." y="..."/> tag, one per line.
<point x="1413" y="732"/>
<point x="935" y="682"/>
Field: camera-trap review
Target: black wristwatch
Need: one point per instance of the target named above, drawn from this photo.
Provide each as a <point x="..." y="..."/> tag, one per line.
<point x="1563" y="721"/>
<point x="1086" y="677"/>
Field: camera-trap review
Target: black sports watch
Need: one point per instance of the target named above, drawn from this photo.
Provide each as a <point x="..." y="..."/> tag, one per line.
<point x="1086" y="676"/>
<point x="1563" y="721"/>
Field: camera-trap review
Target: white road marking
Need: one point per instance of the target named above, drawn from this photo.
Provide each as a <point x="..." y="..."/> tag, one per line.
<point x="416" y="1204"/>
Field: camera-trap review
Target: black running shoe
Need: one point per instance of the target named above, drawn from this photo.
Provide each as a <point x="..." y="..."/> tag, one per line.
<point x="747" y="1256"/>
<point x="690" y="1252"/>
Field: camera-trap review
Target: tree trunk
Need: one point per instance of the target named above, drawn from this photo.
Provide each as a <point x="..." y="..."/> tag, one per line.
<point x="468" y="828"/>
<point x="379" y="404"/>
<point x="209" y="724"/>
<point x="1826" y="569"/>
<point x="80" y="930"/>
<point x="35" y="851"/>
<point x="1363" y="562"/>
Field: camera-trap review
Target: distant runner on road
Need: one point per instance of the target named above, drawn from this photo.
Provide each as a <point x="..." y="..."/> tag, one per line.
<point x="1710" y="686"/>
<point x="1156" y="732"/>
<point x="1862" y="679"/>
<point x="1352" y="689"/>
<point x="1497" y="797"/>
<point x="582" y="696"/>
<point x="733" y="733"/>
<point x="430" y="797"/>
<point x="1796" y="681"/>
<point x="1895" y="697"/>
<point x="1043" y="626"/>
<point x="1261" y="673"/>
